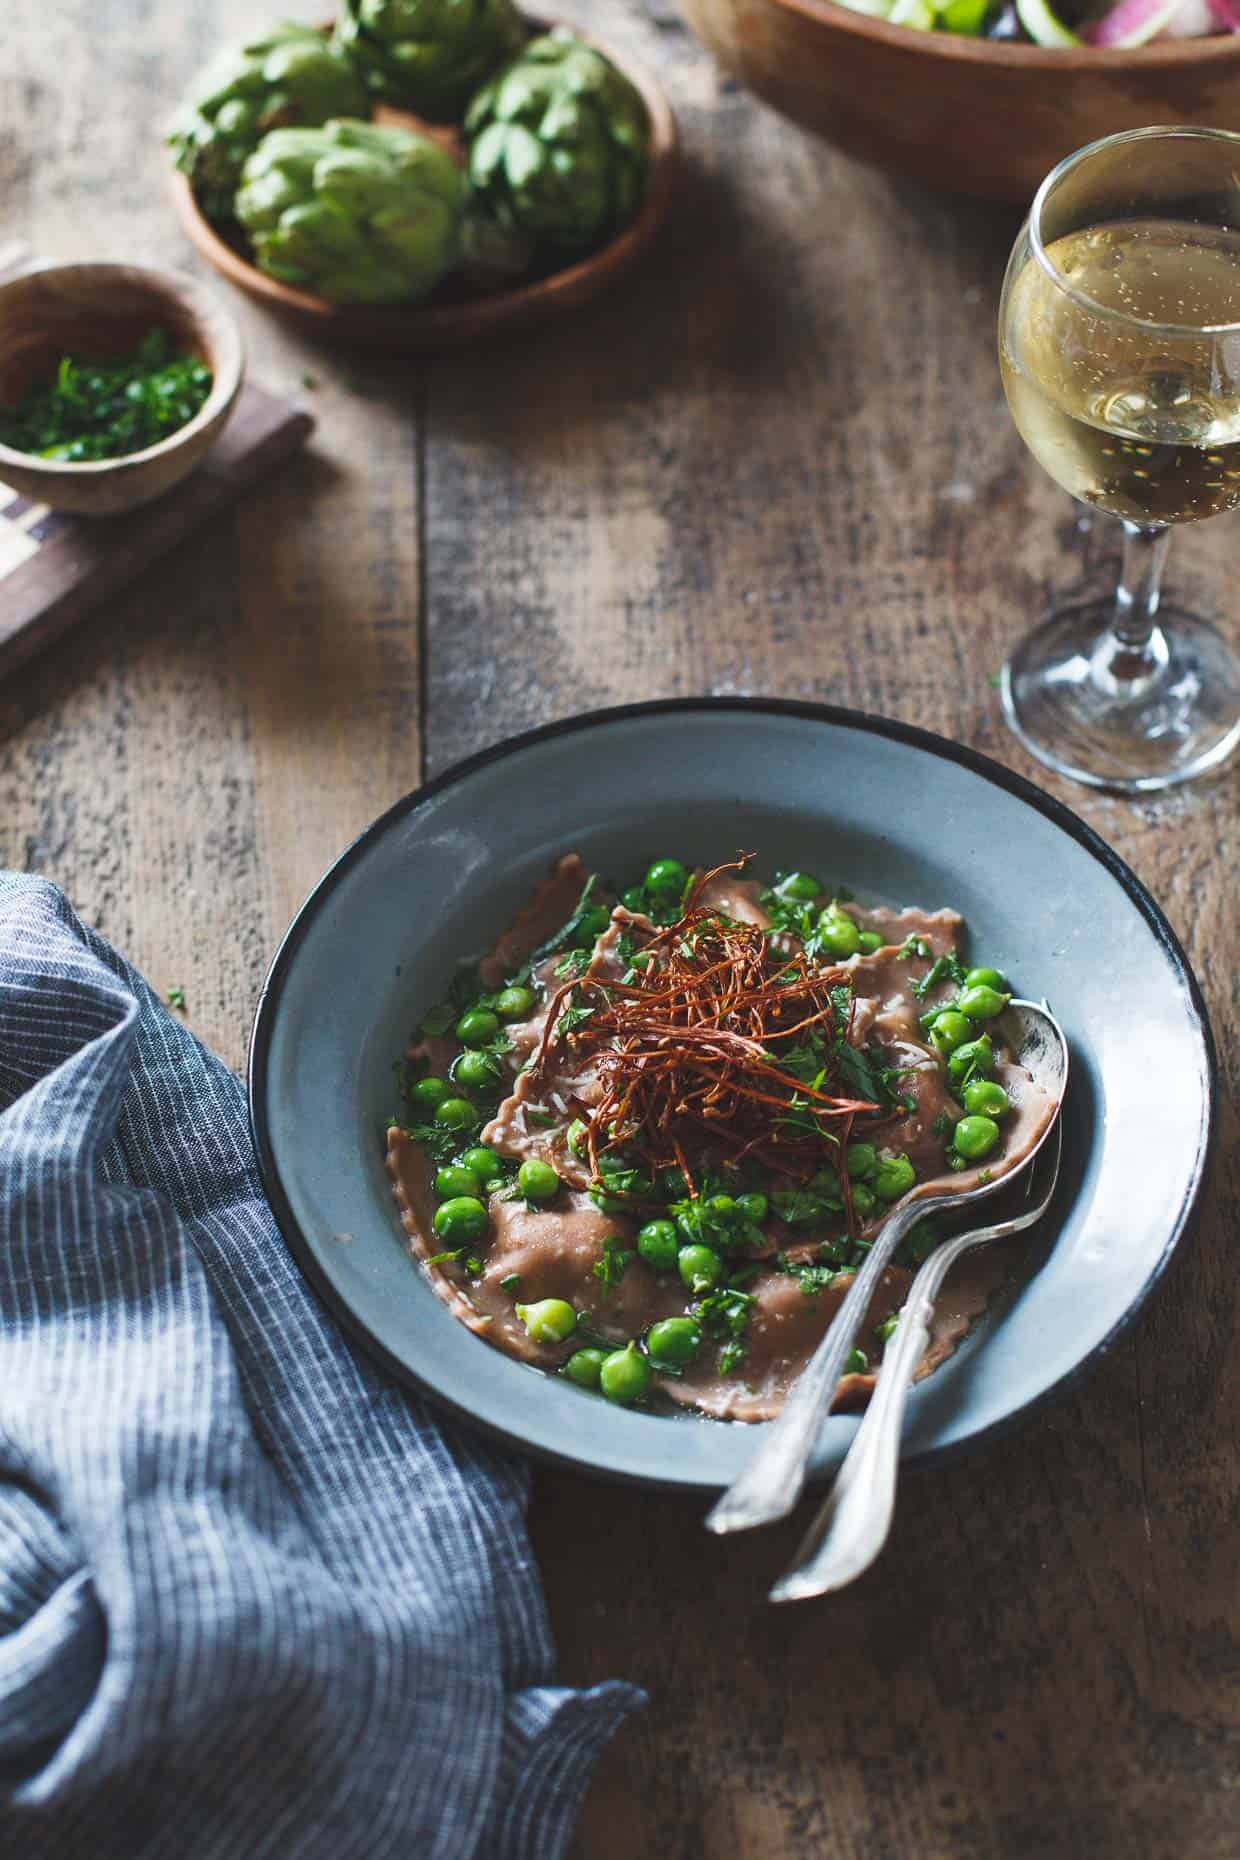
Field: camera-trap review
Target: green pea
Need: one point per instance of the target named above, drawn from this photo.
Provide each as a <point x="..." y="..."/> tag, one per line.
<point x="537" y="1180"/>
<point x="456" y="1180"/>
<point x="856" y="1363"/>
<point x="722" y="1205"/>
<point x="863" y="1200"/>
<point x="872" y="941"/>
<point x="665" y="881"/>
<point x="673" y="1340"/>
<point x="894" y="1177"/>
<point x="753" y="1206"/>
<point x="802" y="887"/>
<point x="461" y="1220"/>
<point x="985" y="978"/>
<point x="579" y="1139"/>
<point x="974" y="1056"/>
<point x="658" y="1245"/>
<point x="485" y="1164"/>
<point x="837" y="933"/>
<point x="514" y="1003"/>
<point x="625" y="1375"/>
<point x="428" y="1093"/>
<point x="699" y="1267"/>
<point x="549" y="1321"/>
<point x="949" y="1031"/>
<point x="591" y="927"/>
<point x="982" y="1003"/>
<point x="477" y="1028"/>
<point x="475" y="1071"/>
<point x="584" y="1367"/>
<point x="861" y="1160"/>
<point x="986" y="1099"/>
<point x="634" y="899"/>
<point x="456" y="1114"/>
<point x="975" y="1137"/>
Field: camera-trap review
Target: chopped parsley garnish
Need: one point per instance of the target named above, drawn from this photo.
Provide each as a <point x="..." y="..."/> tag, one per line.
<point x="176" y="997"/>
<point x="613" y="1262"/>
<point x="568" y="930"/>
<point x="806" y="1207"/>
<point x="914" y="946"/>
<point x="815" y="1279"/>
<point x="107" y="409"/>
<point x="573" y="962"/>
<point x="948" y="968"/>
<point x="440" y="1144"/>
<point x="460" y="1256"/>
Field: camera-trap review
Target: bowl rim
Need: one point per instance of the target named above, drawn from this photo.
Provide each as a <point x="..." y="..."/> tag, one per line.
<point x="1210" y="48"/>
<point x="912" y="735"/>
<point x="227" y="366"/>
<point x="484" y="312"/>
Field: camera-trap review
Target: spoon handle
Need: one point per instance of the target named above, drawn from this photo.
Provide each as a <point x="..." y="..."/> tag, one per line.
<point x="853" y="1524"/>
<point x="771" y="1483"/>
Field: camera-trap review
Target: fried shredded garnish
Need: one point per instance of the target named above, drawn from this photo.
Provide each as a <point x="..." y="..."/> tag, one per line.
<point x="688" y="1049"/>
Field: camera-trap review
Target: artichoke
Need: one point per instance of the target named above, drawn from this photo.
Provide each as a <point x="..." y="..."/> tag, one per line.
<point x="289" y="76"/>
<point x="558" y="145"/>
<point x="355" y="212"/>
<point x="428" y="56"/>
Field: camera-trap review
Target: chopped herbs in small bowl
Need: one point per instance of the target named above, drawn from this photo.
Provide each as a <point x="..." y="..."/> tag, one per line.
<point x="91" y="410"/>
<point x="114" y="381"/>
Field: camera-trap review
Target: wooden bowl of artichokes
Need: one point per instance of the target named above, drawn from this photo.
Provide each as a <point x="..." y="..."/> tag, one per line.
<point x="421" y="174"/>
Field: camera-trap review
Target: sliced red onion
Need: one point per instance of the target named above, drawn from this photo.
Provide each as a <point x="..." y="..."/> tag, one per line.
<point x="1134" y="22"/>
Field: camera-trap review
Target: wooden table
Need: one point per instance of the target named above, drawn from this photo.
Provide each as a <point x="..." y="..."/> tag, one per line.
<point x="778" y="462"/>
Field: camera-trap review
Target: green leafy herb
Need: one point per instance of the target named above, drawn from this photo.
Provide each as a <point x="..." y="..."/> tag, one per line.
<point x="914" y="946"/>
<point x="440" y="1144"/>
<point x="93" y="410"/>
<point x="613" y="1262"/>
<point x="805" y="1207"/>
<point x="176" y="997"/>
<point x="567" y="930"/>
<point x="948" y="968"/>
<point x="573" y="962"/>
<point x="732" y="1356"/>
<point x="460" y="1256"/>
<point x="511" y="1282"/>
<point x="572" y="1017"/>
<point x="942" y="1125"/>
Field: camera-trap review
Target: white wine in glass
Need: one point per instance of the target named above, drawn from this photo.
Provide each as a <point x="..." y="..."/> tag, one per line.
<point x="1119" y="344"/>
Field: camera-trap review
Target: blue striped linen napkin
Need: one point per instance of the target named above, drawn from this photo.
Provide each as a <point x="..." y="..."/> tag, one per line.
<point x="254" y="1599"/>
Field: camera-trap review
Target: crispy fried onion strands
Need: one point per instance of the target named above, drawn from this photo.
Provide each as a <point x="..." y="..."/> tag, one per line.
<point x="684" y="1050"/>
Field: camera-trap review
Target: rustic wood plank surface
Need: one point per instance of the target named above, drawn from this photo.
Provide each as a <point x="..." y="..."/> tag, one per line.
<point x="777" y="462"/>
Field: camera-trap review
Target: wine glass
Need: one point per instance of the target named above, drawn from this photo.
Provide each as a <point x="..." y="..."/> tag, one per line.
<point x="1119" y="343"/>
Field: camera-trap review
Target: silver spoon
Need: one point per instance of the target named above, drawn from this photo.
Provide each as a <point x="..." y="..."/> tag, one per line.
<point x="772" y="1482"/>
<point x="855" y="1521"/>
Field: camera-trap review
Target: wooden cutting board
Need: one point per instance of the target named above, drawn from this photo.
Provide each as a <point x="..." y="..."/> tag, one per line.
<point x="56" y="566"/>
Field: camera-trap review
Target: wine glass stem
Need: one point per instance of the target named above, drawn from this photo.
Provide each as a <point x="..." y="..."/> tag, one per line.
<point x="1133" y="649"/>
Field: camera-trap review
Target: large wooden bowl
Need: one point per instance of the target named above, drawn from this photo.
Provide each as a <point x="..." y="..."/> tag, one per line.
<point x="453" y="317"/>
<point x="102" y="310"/>
<point x="964" y="114"/>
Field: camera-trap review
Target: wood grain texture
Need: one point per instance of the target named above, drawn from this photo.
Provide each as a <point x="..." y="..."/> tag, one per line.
<point x="776" y="462"/>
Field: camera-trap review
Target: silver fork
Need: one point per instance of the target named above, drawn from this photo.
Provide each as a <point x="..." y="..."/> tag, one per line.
<point x="854" y="1522"/>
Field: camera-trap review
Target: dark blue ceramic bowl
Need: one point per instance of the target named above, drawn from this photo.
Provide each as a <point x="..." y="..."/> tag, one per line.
<point x="901" y="816"/>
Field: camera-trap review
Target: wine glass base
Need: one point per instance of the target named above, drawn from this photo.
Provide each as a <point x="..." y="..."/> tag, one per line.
<point x="1130" y="720"/>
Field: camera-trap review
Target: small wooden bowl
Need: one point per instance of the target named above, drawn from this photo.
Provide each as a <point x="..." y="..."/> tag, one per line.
<point x="98" y="311"/>
<point x="450" y="318"/>
<point x="967" y="115"/>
